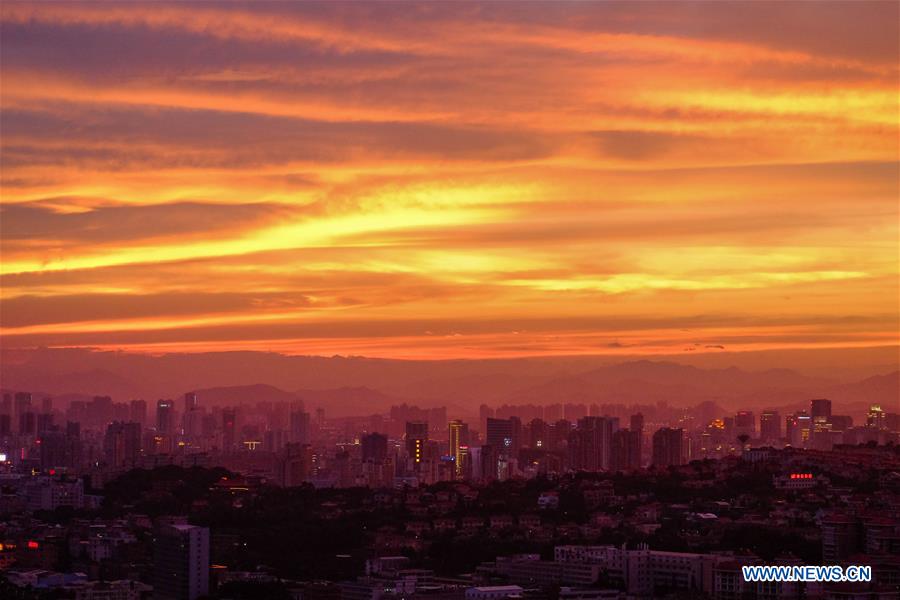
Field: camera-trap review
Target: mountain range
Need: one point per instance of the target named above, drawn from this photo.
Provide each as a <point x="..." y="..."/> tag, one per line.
<point x="356" y="385"/>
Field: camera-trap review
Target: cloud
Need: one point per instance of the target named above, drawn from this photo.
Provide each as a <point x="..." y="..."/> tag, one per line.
<point x="23" y="311"/>
<point x="35" y="225"/>
<point x="206" y="175"/>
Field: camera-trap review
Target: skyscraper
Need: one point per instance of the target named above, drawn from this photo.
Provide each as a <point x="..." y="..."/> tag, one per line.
<point x="22" y="402"/>
<point x="875" y="417"/>
<point x="299" y="423"/>
<point x="122" y="443"/>
<point x="745" y="424"/>
<point x="137" y="412"/>
<point x="459" y="444"/>
<point x="820" y="408"/>
<point x="538" y="435"/>
<point x="770" y="426"/>
<point x="797" y="429"/>
<point x="668" y="447"/>
<point x="229" y="419"/>
<point x="165" y="417"/>
<point x="484" y="413"/>
<point x="637" y="424"/>
<point x="192" y="420"/>
<point x="27" y="423"/>
<point x="295" y="463"/>
<point x="626" y="450"/>
<point x="181" y="562"/>
<point x="191" y="401"/>
<point x="416" y="437"/>
<point x="374" y="447"/>
<point x="501" y="435"/>
<point x="53" y="449"/>
<point x="591" y="443"/>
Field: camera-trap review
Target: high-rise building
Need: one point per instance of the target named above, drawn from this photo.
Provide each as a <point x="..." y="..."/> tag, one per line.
<point x="165" y="417"/>
<point x="559" y="433"/>
<point x="745" y="424"/>
<point x="44" y="422"/>
<point x="459" y="446"/>
<point x="820" y="412"/>
<point x="636" y="423"/>
<point x="374" y="447"/>
<point x="122" y="444"/>
<point x="590" y="444"/>
<point x="841" y="422"/>
<point x="485" y="463"/>
<point x="229" y="425"/>
<point x="626" y="450"/>
<point x="503" y="435"/>
<point x="299" y="423"/>
<point x="668" y="447"/>
<point x="416" y="437"/>
<point x="181" y="562"/>
<point x="22" y="403"/>
<point x="770" y="426"/>
<point x="797" y="429"/>
<point x="538" y="437"/>
<point x="53" y="449"/>
<point x="484" y="413"/>
<point x="192" y="419"/>
<point x="27" y="423"/>
<point x="137" y="412"/>
<point x="875" y="418"/>
<point x="295" y="463"/>
<point x="191" y="401"/>
<point x="820" y="408"/>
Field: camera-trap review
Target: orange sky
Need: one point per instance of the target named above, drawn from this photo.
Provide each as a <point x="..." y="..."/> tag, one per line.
<point x="450" y="180"/>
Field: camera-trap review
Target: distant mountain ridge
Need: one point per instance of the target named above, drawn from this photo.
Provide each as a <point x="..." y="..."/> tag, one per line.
<point x="363" y="385"/>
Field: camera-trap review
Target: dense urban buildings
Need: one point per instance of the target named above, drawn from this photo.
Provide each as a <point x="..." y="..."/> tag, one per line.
<point x="99" y="503"/>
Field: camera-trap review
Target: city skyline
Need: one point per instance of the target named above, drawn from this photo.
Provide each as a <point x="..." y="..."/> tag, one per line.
<point x="474" y="181"/>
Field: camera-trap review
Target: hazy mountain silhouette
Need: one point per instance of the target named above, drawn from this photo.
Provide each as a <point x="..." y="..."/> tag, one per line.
<point x="244" y="394"/>
<point x="357" y="385"/>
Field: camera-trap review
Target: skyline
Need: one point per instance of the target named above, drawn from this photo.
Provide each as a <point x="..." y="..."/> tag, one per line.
<point x="481" y="181"/>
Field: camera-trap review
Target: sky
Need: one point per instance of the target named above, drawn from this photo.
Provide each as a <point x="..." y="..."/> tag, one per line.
<point x="450" y="180"/>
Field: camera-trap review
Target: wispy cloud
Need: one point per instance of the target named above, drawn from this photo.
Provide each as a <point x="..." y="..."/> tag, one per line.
<point x="591" y="176"/>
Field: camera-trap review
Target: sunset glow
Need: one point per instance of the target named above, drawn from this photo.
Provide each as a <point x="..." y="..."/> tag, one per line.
<point x="444" y="180"/>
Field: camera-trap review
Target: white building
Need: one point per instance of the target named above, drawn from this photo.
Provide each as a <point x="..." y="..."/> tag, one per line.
<point x="494" y="592"/>
<point x="181" y="556"/>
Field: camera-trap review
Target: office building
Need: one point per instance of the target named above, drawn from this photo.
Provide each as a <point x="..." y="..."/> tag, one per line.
<point x="626" y="450"/>
<point x="820" y="408"/>
<point x="165" y="417"/>
<point x="668" y="447"/>
<point x="299" y="424"/>
<point x="416" y="438"/>
<point x="504" y="435"/>
<point x="769" y="426"/>
<point x="229" y="425"/>
<point x="137" y="412"/>
<point x="459" y="446"/>
<point x="122" y="444"/>
<point x="374" y="447"/>
<point x="745" y="424"/>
